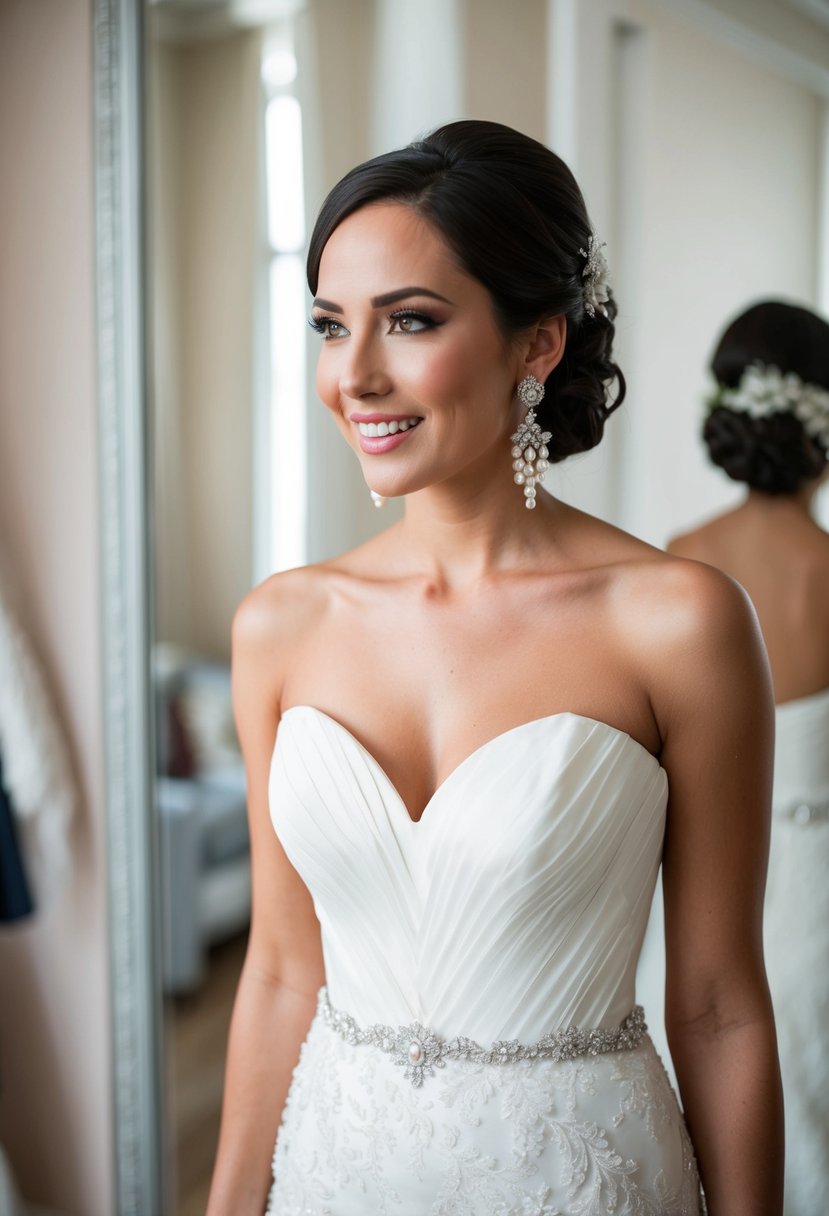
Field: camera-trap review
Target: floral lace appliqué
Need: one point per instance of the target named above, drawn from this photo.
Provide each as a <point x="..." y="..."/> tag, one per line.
<point x="596" y="1137"/>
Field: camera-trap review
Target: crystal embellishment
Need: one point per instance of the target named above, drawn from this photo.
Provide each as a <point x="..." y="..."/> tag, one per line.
<point x="596" y="275"/>
<point x="419" y="1051"/>
<point x="529" y="450"/>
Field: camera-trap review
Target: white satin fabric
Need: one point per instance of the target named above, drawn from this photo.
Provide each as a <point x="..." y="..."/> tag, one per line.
<point x="797" y="943"/>
<point x="796" y="940"/>
<point x="514" y="907"/>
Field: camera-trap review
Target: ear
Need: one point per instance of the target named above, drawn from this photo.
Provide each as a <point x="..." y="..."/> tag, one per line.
<point x="544" y="348"/>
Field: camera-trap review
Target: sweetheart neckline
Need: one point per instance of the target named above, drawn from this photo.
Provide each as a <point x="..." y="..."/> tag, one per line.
<point x="473" y="755"/>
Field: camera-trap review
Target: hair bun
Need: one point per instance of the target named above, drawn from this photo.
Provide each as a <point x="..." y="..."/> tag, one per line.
<point x="773" y="454"/>
<point x="580" y="387"/>
<point x="769" y="451"/>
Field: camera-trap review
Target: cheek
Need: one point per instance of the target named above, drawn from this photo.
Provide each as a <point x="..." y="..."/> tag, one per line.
<point x="479" y="383"/>
<point x="460" y="372"/>
<point x="327" y="383"/>
<point x="434" y="376"/>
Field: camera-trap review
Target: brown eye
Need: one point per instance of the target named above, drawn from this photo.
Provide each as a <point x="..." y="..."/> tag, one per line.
<point x="410" y="323"/>
<point x="327" y="327"/>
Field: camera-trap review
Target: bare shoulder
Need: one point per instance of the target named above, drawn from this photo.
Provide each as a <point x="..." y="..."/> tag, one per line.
<point x="677" y="586"/>
<point x="685" y="598"/>
<point x="280" y="605"/>
<point x="277" y="626"/>
<point x="667" y="594"/>
<point x="689" y="631"/>
<point x="276" y="618"/>
<point x="699" y="642"/>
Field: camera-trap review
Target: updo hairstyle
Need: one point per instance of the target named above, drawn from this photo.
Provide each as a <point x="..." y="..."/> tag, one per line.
<point x="511" y="212"/>
<point x="773" y="454"/>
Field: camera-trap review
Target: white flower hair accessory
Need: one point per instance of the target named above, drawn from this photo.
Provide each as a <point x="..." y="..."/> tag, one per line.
<point x="763" y="391"/>
<point x="596" y="275"/>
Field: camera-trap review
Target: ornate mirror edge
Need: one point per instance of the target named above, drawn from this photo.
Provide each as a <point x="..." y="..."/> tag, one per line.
<point x="134" y="929"/>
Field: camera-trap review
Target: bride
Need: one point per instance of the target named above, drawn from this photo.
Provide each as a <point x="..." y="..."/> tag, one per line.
<point x="467" y="743"/>
<point x="768" y="428"/>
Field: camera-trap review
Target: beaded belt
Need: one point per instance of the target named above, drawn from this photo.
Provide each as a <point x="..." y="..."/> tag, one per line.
<point x="420" y="1051"/>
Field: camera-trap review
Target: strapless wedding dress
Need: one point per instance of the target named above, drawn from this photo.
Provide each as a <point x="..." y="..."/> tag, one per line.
<point x="796" y="939"/>
<point x="797" y="943"/>
<point x="476" y="1049"/>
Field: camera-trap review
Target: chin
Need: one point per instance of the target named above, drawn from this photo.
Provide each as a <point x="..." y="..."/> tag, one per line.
<point x="389" y="486"/>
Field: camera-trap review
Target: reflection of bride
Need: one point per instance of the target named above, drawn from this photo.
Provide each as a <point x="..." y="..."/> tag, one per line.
<point x="769" y="427"/>
<point x="481" y="714"/>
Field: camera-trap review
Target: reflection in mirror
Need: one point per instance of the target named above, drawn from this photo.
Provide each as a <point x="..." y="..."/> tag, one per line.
<point x="707" y="199"/>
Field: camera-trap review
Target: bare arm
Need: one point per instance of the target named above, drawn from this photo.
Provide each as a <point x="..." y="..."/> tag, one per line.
<point x="716" y="715"/>
<point x="283" y="968"/>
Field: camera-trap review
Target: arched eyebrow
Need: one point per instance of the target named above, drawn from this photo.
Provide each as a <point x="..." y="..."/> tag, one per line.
<point x="391" y="297"/>
<point x="326" y="304"/>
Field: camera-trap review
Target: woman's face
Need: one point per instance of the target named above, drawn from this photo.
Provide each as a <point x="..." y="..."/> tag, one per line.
<point x="413" y="365"/>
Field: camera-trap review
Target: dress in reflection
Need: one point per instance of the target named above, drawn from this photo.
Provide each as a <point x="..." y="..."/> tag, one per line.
<point x="797" y="943"/>
<point x="513" y="909"/>
<point x="796" y="939"/>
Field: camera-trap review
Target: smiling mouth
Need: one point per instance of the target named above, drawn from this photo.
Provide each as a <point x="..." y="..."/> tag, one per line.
<point x="377" y="430"/>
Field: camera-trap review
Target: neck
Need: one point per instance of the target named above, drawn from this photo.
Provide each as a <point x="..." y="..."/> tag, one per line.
<point x="476" y="525"/>
<point x="799" y="503"/>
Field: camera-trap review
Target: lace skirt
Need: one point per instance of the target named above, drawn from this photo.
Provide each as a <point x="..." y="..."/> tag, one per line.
<point x="585" y="1137"/>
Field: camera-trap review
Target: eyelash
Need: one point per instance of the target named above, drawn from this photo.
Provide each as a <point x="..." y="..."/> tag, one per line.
<point x="320" y="324"/>
<point x="415" y="315"/>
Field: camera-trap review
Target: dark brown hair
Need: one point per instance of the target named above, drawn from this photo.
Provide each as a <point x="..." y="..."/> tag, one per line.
<point x="511" y="212"/>
<point x="773" y="454"/>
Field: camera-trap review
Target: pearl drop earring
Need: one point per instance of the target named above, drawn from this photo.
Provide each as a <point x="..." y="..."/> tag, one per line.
<point x="529" y="450"/>
<point x="378" y="499"/>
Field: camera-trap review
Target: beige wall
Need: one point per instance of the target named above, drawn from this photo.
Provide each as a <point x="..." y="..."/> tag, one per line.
<point x="54" y="1026"/>
<point x="729" y="199"/>
<point x="504" y="53"/>
<point x="708" y="199"/>
<point x="777" y="22"/>
<point x="203" y="209"/>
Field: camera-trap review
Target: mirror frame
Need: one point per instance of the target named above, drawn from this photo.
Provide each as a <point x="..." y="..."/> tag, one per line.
<point x="138" y="1108"/>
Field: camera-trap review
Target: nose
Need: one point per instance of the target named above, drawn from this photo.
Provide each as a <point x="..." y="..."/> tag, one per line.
<point x="364" y="373"/>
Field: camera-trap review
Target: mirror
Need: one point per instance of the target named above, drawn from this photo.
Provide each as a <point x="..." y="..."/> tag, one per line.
<point x="707" y="198"/>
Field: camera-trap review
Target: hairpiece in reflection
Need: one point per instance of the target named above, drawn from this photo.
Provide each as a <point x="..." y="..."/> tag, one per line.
<point x="763" y="391"/>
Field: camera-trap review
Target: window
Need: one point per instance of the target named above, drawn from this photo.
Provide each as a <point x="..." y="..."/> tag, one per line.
<point x="283" y="434"/>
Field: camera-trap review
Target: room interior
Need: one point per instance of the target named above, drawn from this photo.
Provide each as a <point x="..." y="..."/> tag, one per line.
<point x="163" y="450"/>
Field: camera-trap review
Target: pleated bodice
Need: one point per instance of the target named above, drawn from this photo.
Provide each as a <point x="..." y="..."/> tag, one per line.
<point x="515" y="906"/>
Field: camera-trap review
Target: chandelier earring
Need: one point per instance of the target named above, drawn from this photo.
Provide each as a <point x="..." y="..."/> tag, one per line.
<point x="529" y="443"/>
